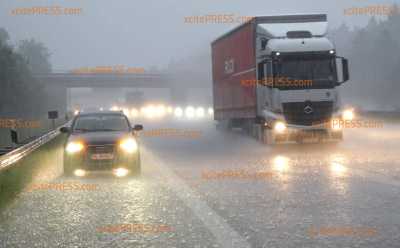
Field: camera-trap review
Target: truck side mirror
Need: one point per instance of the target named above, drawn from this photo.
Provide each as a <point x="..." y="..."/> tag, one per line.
<point x="346" y="75"/>
<point x="342" y="66"/>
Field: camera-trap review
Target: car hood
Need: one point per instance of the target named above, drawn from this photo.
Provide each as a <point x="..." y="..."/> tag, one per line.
<point x="99" y="138"/>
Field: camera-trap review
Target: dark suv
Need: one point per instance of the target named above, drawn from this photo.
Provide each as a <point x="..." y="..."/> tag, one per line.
<point x="101" y="141"/>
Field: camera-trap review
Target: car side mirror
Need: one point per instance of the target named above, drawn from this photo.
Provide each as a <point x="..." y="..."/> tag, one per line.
<point x="138" y="127"/>
<point x="65" y="129"/>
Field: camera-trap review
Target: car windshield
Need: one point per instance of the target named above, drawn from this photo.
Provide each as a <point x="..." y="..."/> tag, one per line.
<point x="93" y="123"/>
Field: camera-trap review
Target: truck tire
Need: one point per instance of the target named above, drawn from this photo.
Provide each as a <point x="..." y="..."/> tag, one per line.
<point x="337" y="136"/>
<point x="268" y="137"/>
<point x="256" y="131"/>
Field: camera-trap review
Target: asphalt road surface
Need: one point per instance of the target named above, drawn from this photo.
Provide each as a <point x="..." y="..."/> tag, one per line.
<point x="220" y="189"/>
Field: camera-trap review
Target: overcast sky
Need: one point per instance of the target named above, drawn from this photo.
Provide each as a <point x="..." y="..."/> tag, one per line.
<point x="144" y="33"/>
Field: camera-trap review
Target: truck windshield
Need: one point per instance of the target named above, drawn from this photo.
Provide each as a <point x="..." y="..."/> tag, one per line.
<point x="305" y="72"/>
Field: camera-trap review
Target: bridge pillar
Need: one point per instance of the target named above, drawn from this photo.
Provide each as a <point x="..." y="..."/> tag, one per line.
<point x="57" y="99"/>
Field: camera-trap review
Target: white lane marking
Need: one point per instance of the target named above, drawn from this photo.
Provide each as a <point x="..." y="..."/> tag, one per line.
<point x="226" y="236"/>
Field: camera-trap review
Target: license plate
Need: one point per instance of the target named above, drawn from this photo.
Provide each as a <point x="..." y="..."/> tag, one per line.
<point x="102" y="156"/>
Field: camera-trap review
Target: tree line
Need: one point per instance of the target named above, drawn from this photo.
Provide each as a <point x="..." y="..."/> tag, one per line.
<point x="374" y="61"/>
<point x="20" y="94"/>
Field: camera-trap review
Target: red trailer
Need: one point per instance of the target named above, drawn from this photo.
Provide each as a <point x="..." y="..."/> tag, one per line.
<point x="233" y="60"/>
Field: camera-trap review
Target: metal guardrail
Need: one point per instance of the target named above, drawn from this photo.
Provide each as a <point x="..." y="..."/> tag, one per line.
<point x="14" y="156"/>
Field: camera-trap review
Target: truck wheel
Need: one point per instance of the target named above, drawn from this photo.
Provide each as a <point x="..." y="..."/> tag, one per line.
<point x="337" y="136"/>
<point x="247" y="128"/>
<point x="268" y="137"/>
<point x="256" y="132"/>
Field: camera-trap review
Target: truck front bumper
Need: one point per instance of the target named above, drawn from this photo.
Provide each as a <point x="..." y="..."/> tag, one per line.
<point x="307" y="133"/>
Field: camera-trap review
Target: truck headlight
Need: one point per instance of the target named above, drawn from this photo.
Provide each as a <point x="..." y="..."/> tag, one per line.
<point x="280" y="127"/>
<point x="129" y="145"/>
<point x="348" y="115"/>
<point x="74" y="147"/>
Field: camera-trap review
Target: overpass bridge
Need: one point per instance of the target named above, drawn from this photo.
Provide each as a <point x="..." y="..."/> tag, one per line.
<point x="115" y="80"/>
<point x="59" y="83"/>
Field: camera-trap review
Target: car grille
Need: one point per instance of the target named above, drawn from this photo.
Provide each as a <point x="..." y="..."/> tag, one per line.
<point x="105" y="164"/>
<point x="307" y="113"/>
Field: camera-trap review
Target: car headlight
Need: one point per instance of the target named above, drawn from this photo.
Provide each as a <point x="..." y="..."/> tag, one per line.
<point x="74" y="147"/>
<point x="129" y="145"/>
<point x="79" y="173"/>
<point x="280" y="127"/>
<point x="348" y="115"/>
<point x="121" y="172"/>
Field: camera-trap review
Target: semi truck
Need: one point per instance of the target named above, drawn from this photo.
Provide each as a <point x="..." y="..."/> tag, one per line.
<point x="278" y="78"/>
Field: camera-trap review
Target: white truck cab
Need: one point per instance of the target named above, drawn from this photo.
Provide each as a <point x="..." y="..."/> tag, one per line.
<point x="294" y="49"/>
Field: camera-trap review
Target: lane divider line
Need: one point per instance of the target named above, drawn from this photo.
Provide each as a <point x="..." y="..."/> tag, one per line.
<point x="225" y="235"/>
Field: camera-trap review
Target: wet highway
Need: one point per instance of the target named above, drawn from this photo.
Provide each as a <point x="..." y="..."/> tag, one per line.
<point x="222" y="189"/>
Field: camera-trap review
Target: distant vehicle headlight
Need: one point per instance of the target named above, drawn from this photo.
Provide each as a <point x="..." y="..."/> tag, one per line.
<point x="348" y="115"/>
<point x="126" y="112"/>
<point x="178" y="112"/>
<point x="169" y="110"/>
<point x="150" y="111"/>
<point x="160" y="110"/>
<point x="280" y="127"/>
<point x="134" y="112"/>
<point x="74" y="147"/>
<point x="200" y="112"/>
<point x="129" y="145"/>
<point x="189" y="112"/>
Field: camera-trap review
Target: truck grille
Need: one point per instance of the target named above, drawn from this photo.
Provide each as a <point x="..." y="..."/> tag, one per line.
<point x="307" y="113"/>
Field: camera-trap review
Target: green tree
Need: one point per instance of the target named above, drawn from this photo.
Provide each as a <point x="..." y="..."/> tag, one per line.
<point x="36" y="55"/>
